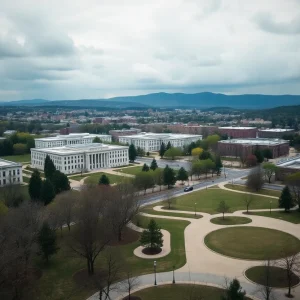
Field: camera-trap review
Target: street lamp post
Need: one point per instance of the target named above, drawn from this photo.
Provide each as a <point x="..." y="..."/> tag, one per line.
<point x="270" y="206"/>
<point x="173" y="274"/>
<point x="195" y="209"/>
<point x="154" y="265"/>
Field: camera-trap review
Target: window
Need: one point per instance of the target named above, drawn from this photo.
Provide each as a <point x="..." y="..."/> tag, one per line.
<point x="3" y="173"/>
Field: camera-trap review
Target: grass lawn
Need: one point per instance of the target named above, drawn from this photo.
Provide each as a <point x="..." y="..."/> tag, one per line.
<point x="229" y="158"/>
<point x="254" y="243"/>
<point x="131" y="170"/>
<point x="94" y="178"/>
<point x="277" y="276"/>
<point x="228" y="220"/>
<point x="26" y="179"/>
<point x="208" y="201"/>
<point x="149" y="210"/>
<point x="57" y="282"/>
<point x="292" y="216"/>
<point x="267" y="192"/>
<point x="180" y="292"/>
<point x="18" y="158"/>
<point x="32" y="169"/>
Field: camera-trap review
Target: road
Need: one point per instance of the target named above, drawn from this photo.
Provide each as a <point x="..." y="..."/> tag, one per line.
<point x="265" y="186"/>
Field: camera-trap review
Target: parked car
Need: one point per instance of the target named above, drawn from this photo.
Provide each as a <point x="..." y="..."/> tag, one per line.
<point x="188" y="189"/>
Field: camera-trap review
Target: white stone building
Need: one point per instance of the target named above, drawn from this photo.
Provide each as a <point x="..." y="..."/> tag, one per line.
<point x="10" y="172"/>
<point x="153" y="141"/>
<point x="70" y="139"/>
<point x="81" y="158"/>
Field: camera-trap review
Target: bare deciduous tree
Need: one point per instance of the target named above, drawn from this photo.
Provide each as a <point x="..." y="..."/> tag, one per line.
<point x="266" y="290"/>
<point x="92" y="231"/>
<point x="130" y="282"/>
<point x="255" y="180"/>
<point x="12" y="194"/>
<point x="123" y="206"/>
<point x="169" y="198"/>
<point x="292" y="266"/>
<point x="248" y="200"/>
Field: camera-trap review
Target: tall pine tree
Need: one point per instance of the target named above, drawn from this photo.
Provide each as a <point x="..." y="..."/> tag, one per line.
<point x="169" y="146"/>
<point x="153" y="165"/>
<point x="49" y="167"/>
<point x="35" y="186"/>
<point x="286" y="199"/>
<point x="132" y="153"/>
<point x="60" y="182"/>
<point x="152" y="237"/>
<point x="47" y="191"/>
<point x="169" y="176"/>
<point x="182" y="174"/>
<point x="218" y="164"/>
<point x="162" y="150"/>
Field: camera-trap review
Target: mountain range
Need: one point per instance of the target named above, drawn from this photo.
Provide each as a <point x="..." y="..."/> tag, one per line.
<point x="176" y="100"/>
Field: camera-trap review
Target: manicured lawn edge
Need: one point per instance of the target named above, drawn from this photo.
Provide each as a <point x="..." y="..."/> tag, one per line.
<point x="230" y="220"/>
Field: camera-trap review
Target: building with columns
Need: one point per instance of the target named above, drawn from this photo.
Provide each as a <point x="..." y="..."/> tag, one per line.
<point x="152" y="141"/>
<point x="81" y="158"/>
<point x="10" y="173"/>
<point x="70" y="139"/>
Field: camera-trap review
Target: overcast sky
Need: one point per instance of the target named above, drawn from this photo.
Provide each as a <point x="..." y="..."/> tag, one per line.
<point x="63" y="49"/>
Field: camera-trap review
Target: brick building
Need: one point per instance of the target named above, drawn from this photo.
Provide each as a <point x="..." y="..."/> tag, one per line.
<point x="275" y="133"/>
<point x="244" y="147"/>
<point x="287" y="166"/>
<point x="117" y="133"/>
<point x="192" y="129"/>
<point x="238" y="132"/>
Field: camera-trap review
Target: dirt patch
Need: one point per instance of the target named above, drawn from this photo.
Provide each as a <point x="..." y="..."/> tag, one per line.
<point x="128" y="236"/>
<point x="151" y="251"/>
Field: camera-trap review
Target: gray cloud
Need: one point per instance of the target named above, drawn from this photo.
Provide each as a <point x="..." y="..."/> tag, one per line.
<point x="266" y="22"/>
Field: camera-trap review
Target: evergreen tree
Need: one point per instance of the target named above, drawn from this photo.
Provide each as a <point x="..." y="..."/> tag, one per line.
<point x="49" y="167"/>
<point x="132" y="153"/>
<point x="162" y="150"/>
<point x="152" y="237"/>
<point x="104" y="180"/>
<point x="47" y="241"/>
<point x="153" y="165"/>
<point x="182" y="174"/>
<point x="47" y="191"/>
<point x="97" y="140"/>
<point x="218" y="164"/>
<point x="145" y="168"/>
<point x="234" y="291"/>
<point x="267" y="153"/>
<point x="60" y="182"/>
<point x="259" y="155"/>
<point x="169" y="176"/>
<point x="205" y="155"/>
<point x="169" y="146"/>
<point x="286" y="199"/>
<point x="35" y="185"/>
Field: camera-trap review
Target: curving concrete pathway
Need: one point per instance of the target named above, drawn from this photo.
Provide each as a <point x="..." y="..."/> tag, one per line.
<point x="208" y="267"/>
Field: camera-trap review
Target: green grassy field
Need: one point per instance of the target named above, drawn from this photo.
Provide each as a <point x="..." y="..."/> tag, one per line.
<point x="229" y="220"/>
<point x="26" y="179"/>
<point x="208" y="201"/>
<point x="57" y="281"/>
<point x="181" y="292"/>
<point x="292" y="216"/>
<point x="254" y="243"/>
<point x="129" y="170"/>
<point x="277" y="277"/>
<point x="18" y="158"/>
<point x="242" y="188"/>
<point x="94" y="178"/>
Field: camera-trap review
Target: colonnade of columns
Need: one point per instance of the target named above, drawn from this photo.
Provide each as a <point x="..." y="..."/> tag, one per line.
<point x="97" y="160"/>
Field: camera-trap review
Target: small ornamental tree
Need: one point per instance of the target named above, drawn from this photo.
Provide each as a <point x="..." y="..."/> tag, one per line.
<point x="49" y="167"/>
<point x="223" y="208"/>
<point x="267" y="153"/>
<point x="162" y="150"/>
<point x="182" y="174"/>
<point x="35" y="185"/>
<point x="196" y="151"/>
<point x="132" y="153"/>
<point x="47" y="191"/>
<point x="234" y="291"/>
<point x="145" y="168"/>
<point x="269" y="170"/>
<point x="251" y="160"/>
<point x="205" y="155"/>
<point x="152" y="237"/>
<point x="286" y="199"/>
<point x="173" y="152"/>
<point x="47" y="241"/>
<point x="104" y="180"/>
<point x="153" y="165"/>
<point x="169" y="176"/>
<point x="255" y="180"/>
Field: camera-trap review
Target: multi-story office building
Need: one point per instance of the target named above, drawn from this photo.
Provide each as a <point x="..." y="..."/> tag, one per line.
<point x="238" y="132"/>
<point x="244" y="147"/>
<point x="123" y="132"/>
<point x="153" y="141"/>
<point x="10" y="172"/>
<point x="275" y="133"/>
<point x="81" y="158"/>
<point x="70" y="139"/>
<point x="287" y="166"/>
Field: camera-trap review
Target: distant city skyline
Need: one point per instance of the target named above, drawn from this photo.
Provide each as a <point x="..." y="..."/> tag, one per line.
<point x="101" y="49"/>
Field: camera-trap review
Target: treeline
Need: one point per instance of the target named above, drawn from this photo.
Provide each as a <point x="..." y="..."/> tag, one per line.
<point x="102" y="128"/>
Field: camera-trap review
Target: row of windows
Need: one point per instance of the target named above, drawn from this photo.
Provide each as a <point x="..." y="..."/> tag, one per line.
<point x="3" y="182"/>
<point x="13" y="172"/>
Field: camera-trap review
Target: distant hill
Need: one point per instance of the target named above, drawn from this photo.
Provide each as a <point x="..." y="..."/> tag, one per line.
<point x="199" y="100"/>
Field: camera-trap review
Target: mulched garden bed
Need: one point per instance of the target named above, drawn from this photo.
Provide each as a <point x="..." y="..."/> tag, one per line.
<point x="151" y="251"/>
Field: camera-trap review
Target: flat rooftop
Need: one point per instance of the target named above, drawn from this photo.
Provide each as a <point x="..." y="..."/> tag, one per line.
<point x="6" y="163"/>
<point x="290" y="162"/>
<point x="155" y="136"/>
<point x="276" y="130"/>
<point x="76" y="149"/>
<point x="237" y="128"/>
<point x="255" y="141"/>
<point x="71" y="136"/>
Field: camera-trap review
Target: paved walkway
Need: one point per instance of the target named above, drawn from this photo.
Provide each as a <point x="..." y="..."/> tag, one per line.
<point x="208" y="267"/>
